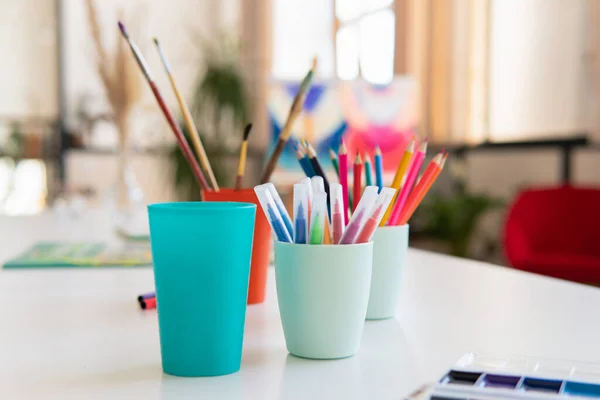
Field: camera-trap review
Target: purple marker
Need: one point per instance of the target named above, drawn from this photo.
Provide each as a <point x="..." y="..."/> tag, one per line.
<point x="356" y="222"/>
<point x="146" y="296"/>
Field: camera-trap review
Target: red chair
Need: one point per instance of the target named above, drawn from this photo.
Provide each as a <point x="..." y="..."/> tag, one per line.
<point x="555" y="232"/>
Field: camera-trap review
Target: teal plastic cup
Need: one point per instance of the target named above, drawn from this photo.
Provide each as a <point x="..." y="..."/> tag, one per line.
<point x="201" y="253"/>
<point x="323" y="291"/>
<point x="390" y="245"/>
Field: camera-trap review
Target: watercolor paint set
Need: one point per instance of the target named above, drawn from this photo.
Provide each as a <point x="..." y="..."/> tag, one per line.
<point x="482" y="378"/>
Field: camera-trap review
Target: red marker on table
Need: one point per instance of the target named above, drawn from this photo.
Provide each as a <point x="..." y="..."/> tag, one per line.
<point x="148" y="304"/>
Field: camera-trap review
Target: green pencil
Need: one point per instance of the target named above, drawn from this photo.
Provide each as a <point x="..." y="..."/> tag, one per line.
<point x="368" y="179"/>
<point x="334" y="162"/>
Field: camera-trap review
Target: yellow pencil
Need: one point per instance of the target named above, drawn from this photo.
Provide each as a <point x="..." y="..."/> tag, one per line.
<point x="397" y="182"/>
<point x="189" y="122"/>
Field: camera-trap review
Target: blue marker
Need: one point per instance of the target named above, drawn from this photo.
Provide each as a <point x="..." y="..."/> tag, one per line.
<point x="281" y="208"/>
<point x="301" y="212"/>
<point x="269" y="207"/>
<point x="278" y="226"/>
<point x="300" y="232"/>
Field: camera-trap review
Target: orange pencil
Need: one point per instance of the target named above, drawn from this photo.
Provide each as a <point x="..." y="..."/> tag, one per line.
<point x="397" y="182"/>
<point x="357" y="187"/>
<point x="422" y="187"/>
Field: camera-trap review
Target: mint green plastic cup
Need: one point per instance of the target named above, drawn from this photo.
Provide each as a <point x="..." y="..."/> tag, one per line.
<point x="201" y="253"/>
<point x="323" y="291"/>
<point x="390" y="245"/>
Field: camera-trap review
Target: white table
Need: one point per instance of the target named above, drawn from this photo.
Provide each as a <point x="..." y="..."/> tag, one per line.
<point x="75" y="334"/>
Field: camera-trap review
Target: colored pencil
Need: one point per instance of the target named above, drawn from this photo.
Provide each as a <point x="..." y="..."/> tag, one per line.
<point x="402" y="167"/>
<point x="286" y="130"/>
<point x="378" y="168"/>
<point x="241" y="171"/>
<point x="304" y="163"/>
<point x="357" y="187"/>
<point x="181" y="140"/>
<point x="343" y="164"/>
<point x="312" y="156"/>
<point x="368" y="175"/>
<point x="421" y="188"/>
<point x="408" y="184"/>
<point x="334" y="162"/>
<point x="189" y="121"/>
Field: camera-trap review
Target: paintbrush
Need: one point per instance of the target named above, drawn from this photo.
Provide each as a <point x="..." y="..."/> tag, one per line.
<point x="181" y="141"/>
<point x="242" y="163"/>
<point x="286" y="131"/>
<point x="189" y="121"/>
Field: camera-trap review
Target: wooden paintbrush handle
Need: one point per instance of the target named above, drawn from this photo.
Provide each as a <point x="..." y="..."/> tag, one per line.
<point x="183" y="144"/>
<point x="273" y="161"/>
<point x="238" y="182"/>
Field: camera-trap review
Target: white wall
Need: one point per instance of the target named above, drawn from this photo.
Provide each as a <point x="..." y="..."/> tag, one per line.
<point x="28" y="69"/>
<point x="537" y="68"/>
<point x="180" y="25"/>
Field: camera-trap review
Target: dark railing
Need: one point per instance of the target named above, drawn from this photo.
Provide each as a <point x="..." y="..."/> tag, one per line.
<point x="564" y="145"/>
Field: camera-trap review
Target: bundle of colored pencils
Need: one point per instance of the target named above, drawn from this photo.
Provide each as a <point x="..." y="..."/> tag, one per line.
<point x="410" y="190"/>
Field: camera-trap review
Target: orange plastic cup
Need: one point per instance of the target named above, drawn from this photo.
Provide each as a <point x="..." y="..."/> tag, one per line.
<point x="261" y="246"/>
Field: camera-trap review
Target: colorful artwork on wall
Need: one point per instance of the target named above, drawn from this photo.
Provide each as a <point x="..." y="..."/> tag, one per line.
<point x="364" y="115"/>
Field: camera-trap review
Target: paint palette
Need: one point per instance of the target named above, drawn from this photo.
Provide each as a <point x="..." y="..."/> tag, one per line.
<point x="482" y="378"/>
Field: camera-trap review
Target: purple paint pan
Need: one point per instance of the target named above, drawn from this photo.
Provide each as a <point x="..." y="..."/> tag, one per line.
<point x="500" y="381"/>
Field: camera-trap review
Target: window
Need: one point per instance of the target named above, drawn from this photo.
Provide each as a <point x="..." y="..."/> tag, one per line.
<point x="351" y="38"/>
<point x="364" y="40"/>
<point x="302" y="29"/>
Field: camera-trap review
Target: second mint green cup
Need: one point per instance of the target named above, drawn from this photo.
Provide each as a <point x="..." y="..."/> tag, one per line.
<point x="390" y="245"/>
<point x="323" y="291"/>
<point x="201" y="253"/>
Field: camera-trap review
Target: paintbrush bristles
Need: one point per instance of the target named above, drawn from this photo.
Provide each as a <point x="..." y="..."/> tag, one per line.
<point x="286" y="130"/>
<point x="242" y="163"/>
<point x="247" y="131"/>
<point x="163" y="57"/>
<point x="137" y="54"/>
<point x="123" y="30"/>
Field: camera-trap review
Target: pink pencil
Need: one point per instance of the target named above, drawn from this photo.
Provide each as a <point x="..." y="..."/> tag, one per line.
<point x="413" y="172"/>
<point x="343" y="167"/>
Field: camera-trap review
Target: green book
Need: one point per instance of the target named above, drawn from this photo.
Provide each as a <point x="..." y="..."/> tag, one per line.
<point x="68" y="254"/>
